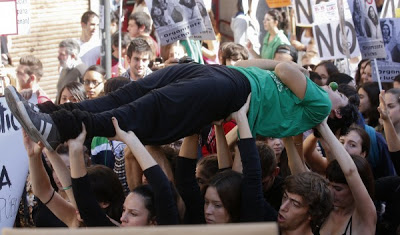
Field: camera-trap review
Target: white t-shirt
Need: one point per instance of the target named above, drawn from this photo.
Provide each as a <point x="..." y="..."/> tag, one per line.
<point x="90" y="51"/>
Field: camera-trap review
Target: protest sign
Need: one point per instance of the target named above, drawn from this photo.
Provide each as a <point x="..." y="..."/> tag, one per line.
<point x="303" y="10"/>
<point x="23" y="16"/>
<point x="278" y="3"/>
<point x="368" y="30"/>
<point x="8" y="17"/>
<point x="208" y="33"/>
<point x="175" y="20"/>
<point x="390" y="66"/>
<point x="13" y="165"/>
<point x="328" y="39"/>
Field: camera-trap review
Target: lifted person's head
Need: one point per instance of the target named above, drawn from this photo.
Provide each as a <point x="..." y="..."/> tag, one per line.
<point x="230" y="53"/>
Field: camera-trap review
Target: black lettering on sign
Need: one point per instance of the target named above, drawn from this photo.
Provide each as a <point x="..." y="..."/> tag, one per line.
<point x="7" y="121"/>
<point x="304" y="10"/>
<point x="4" y="179"/>
<point x="348" y="29"/>
<point x="328" y="42"/>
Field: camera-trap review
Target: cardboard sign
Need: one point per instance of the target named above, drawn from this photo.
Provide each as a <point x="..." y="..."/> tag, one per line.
<point x="208" y="33"/>
<point x="368" y="29"/>
<point x="278" y="3"/>
<point x="328" y="39"/>
<point x="13" y="165"/>
<point x="390" y="66"/>
<point x="8" y="17"/>
<point x="389" y="8"/>
<point x="174" y="20"/>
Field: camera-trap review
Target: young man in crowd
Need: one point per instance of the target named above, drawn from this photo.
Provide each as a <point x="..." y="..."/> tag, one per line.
<point x="139" y="25"/>
<point x="29" y="72"/>
<point x="306" y="202"/>
<point x="138" y="56"/>
<point x="89" y="41"/>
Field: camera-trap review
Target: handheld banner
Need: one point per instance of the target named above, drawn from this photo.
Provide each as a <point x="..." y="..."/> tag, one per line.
<point x="13" y="165"/>
<point x="368" y="29"/>
<point x="175" y="20"/>
<point x="390" y="67"/>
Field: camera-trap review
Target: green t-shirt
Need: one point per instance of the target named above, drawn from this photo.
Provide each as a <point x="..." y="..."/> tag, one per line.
<point x="268" y="49"/>
<point x="277" y="112"/>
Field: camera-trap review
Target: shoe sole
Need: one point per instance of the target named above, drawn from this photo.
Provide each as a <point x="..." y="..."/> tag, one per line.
<point x="30" y="129"/>
<point x="12" y="101"/>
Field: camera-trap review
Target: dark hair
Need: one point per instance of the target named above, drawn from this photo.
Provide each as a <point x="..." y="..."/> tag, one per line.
<point x="239" y="6"/>
<point x="228" y="185"/>
<point x="351" y="93"/>
<point x="267" y="158"/>
<point x="329" y="66"/>
<point x="96" y="68"/>
<point x="34" y="66"/>
<point x="315" y="77"/>
<point x="125" y="39"/>
<point x="209" y="166"/>
<point x="114" y="17"/>
<point x="71" y="45"/>
<point x="115" y="83"/>
<point x="142" y="19"/>
<point x="314" y="190"/>
<point x="349" y="115"/>
<point x="227" y="50"/>
<point x="288" y="49"/>
<point x="372" y="90"/>
<point x="339" y="78"/>
<point x="365" y="145"/>
<point x="357" y="77"/>
<point x="277" y="16"/>
<point x="397" y="78"/>
<point x="87" y="15"/>
<point x="335" y="174"/>
<point x="139" y="45"/>
<point x="149" y="202"/>
<point x="107" y="188"/>
<point x="76" y="89"/>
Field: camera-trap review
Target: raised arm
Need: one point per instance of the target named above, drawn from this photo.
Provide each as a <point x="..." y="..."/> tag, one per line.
<point x="42" y="188"/>
<point x="223" y="152"/>
<point x="166" y="208"/>
<point x="63" y="174"/>
<point x="314" y="159"/>
<point x="295" y="161"/>
<point x="365" y="211"/>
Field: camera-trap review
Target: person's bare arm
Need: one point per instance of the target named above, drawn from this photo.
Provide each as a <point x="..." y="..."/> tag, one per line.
<point x="292" y="77"/>
<point x="260" y="63"/>
<point x="314" y="159"/>
<point x="295" y="161"/>
<point x="237" y="162"/>
<point x="223" y="152"/>
<point x="42" y="188"/>
<point x="132" y="170"/>
<point x="63" y="174"/>
<point x="364" y="206"/>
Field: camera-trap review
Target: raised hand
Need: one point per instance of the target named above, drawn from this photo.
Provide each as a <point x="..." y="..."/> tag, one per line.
<point x="382" y="106"/>
<point x="78" y="141"/>
<point x="120" y="135"/>
<point x="33" y="149"/>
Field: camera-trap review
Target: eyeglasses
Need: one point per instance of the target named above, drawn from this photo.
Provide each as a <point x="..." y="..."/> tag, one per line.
<point x="309" y="66"/>
<point x="91" y="82"/>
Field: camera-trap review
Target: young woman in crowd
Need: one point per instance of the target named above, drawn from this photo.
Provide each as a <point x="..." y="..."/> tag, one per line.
<point x="369" y="102"/>
<point x="94" y="79"/>
<point x="273" y="24"/>
<point x="72" y="92"/>
<point x="325" y="69"/>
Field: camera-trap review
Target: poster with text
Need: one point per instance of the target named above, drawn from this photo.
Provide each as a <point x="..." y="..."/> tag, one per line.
<point x="389" y="67"/>
<point x="368" y="30"/>
<point x="175" y="19"/>
<point x="23" y="17"/>
<point x="208" y="33"/>
<point x="13" y="165"/>
<point x="8" y="17"/>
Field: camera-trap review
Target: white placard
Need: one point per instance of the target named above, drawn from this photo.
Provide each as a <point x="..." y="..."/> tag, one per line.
<point x="24" y="17"/>
<point x="8" y="17"/>
<point x="174" y="20"/>
<point x="13" y="165"/>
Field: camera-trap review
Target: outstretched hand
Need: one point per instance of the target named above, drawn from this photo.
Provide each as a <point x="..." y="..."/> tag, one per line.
<point x="120" y="134"/>
<point x="78" y="141"/>
<point x="33" y="149"/>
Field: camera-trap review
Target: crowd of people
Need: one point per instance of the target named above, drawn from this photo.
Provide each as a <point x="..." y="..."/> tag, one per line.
<point x="244" y="131"/>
